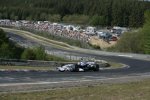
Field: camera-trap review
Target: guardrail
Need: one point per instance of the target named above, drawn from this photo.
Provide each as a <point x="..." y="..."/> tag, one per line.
<point x="38" y="63"/>
<point x="34" y="63"/>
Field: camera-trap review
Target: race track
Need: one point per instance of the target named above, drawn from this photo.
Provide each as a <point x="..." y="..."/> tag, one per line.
<point x="137" y="67"/>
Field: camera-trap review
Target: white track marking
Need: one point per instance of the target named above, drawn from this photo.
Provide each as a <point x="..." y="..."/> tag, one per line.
<point x="40" y="83"/>
<point x="126" y="56"/>
<point x="58" y="82"/>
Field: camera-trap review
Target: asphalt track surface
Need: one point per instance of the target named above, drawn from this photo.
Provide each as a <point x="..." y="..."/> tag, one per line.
<point x="137" y="67"/>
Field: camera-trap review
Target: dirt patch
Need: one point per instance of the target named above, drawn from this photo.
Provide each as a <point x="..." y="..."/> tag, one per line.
<point x="100" y="42"/>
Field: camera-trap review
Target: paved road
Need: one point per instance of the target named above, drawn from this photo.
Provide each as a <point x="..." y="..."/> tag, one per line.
<point x="137" y="67"/>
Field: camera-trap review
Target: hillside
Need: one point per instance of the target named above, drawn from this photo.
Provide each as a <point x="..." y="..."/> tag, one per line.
<point x="136" y="42"/>
<point x="94" y="12"/>
<point x="10" y="50"/>
<point x="7" y="48"/>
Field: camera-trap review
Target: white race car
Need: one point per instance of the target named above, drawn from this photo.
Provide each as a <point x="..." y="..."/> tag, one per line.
<point x="79" y="67"/>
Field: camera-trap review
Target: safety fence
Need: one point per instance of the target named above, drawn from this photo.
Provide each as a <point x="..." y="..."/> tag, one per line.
<point x="34" y="63"/>
<point x="38" y="63"/>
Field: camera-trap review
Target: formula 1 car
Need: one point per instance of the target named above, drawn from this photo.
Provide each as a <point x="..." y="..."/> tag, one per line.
<point x="79" y="67"/>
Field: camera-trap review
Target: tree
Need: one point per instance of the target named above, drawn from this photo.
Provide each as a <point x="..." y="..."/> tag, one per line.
<point x="3" y="37"/>
<point x="40" y="53"/>
<point x="43" y="16"/>
<point x="130" y="42"/>
<point x="115" y="12"/>
<point x="28" y="54"/>
<point x="137" y="42"/>
<point x="97" y="20"/>
<point x="5" y="51"/>
<point x="146" y="33"/>
<point x="54" y="18"/>
<point x="7" y="48"/>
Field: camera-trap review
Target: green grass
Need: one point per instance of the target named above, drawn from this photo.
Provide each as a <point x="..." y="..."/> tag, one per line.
<point x="115" y="65"/>
<point x="57" y="41"/>
<point x="121" y="91"/>
<point x="7" y="67"/>
<point x="24" y="68"/>
<point x="21" y="32"/>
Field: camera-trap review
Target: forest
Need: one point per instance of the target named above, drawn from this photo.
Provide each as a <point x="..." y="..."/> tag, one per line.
<point x="136" y="42"/>
<point x="127" y="13"/>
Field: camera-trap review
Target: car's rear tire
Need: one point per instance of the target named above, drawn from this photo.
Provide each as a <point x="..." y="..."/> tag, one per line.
<point x="96" y="67"/>
<point x="76" y="68"/>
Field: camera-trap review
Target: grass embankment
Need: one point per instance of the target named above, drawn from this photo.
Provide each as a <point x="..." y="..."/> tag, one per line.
<point x="57" y="41"/>
<point x="37" y="37"/>
<point x="114" y="65"/>
<point x="123" y="91"/>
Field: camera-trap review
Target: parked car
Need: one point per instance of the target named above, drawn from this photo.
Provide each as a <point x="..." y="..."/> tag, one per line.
<point x="113" y="38"/>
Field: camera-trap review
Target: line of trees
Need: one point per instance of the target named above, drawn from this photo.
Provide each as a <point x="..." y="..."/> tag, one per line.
<point x="146" y="34"/>
<point x="94" y="12"/>
<point x="38" y="53"/>
<point x="136" y="42"/>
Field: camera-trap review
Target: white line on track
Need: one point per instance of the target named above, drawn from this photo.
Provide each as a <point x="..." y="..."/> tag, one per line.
<point x="58" y="82"/>
<point x="40" y="83"/>
<point x="126" y="56"/>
